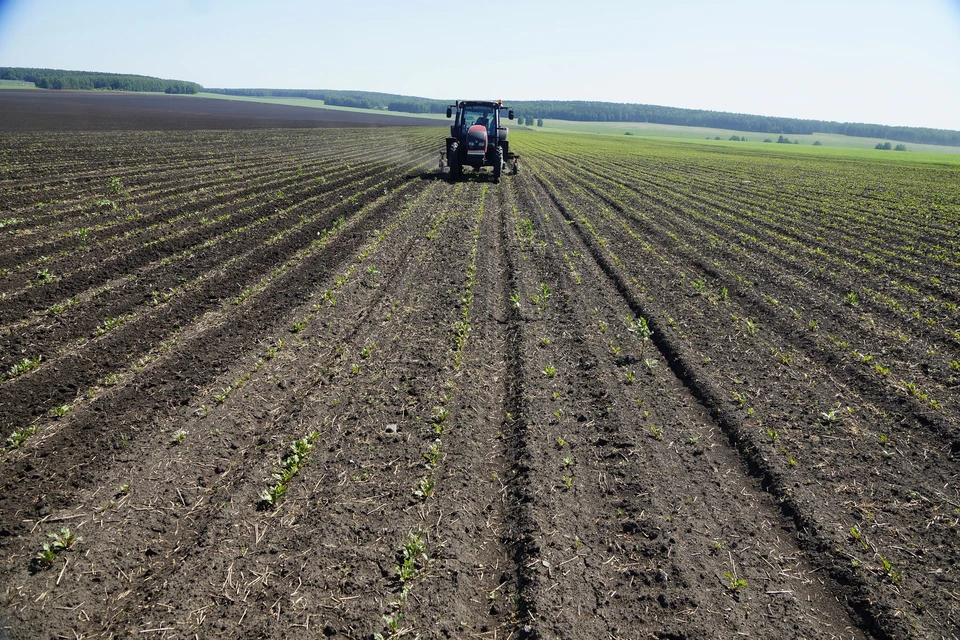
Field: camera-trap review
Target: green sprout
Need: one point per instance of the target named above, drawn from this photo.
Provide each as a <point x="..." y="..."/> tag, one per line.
<point x="63" y="539"/>
<point x="733" y="582"/>
<point x="425" y="488"/>
<point x="17" y="438"/>
<point x="45" y="556"/>
<point x="23" y="366"/>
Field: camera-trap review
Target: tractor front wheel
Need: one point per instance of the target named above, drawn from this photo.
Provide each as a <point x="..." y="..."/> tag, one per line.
<point x="498" y="164"/>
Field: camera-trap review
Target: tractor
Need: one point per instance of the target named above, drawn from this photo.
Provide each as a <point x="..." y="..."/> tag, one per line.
<point x="477" y="139"/>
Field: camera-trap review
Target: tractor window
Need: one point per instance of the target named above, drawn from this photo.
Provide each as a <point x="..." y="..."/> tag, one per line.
<point x="483" y="116"/>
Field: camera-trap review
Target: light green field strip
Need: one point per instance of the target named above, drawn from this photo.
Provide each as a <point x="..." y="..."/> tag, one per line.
<point x="833" y="144"/>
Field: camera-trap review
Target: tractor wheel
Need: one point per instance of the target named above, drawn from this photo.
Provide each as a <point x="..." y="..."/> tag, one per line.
<point x="498" y="165"/>
<point x="453" y="157"/>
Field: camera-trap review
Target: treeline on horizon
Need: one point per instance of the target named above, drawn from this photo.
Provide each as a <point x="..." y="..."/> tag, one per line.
<point x="91" y="80"/>
<point x="355" y="99"/>
<point x="620" y="112"/>
<point x="614" y="112"/>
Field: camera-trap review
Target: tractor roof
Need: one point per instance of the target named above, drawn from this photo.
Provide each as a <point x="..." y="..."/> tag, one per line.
<point x="481" y="103"/>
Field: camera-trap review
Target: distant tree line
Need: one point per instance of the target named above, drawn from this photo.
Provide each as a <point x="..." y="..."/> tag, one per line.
<point x="356" y="99"/>
<point x="417" y="106"/>
<point x="312" y="94"/>
<point x="61" y="79"/>
<point x="615" y="112"/>
<point x="533" y="111"/>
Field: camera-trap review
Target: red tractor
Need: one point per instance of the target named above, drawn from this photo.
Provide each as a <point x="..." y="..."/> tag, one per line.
<point x="477" y="139"/>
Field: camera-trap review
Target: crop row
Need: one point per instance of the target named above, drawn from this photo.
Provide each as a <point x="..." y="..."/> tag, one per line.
<point x="330" y="302"/>
<point x="754" y="266"/>
<point x="200" y="201"/>
<point x="154" y="288"/>
<point x="758" y="354"/>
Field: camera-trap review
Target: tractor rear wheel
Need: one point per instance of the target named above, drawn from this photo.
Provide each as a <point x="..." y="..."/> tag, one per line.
<point x="498" y="164"/>
<point x="453" y="156"/>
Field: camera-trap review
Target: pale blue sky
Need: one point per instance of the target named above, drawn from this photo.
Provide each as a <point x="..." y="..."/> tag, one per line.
<point x="891" y="62"/>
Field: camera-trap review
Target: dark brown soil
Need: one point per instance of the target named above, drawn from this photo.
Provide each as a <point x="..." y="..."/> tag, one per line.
<point x="45" y="111"/>
<point x="496" y="450"/>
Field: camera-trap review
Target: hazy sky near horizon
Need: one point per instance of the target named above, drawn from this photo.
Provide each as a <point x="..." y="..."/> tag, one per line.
<point x="881" y="61"/>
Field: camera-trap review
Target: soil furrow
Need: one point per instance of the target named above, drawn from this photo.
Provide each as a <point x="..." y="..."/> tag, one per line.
<point x="817" y="537"/>
<point x="83" y="368"/>
<point x="667" y="540"/>
<point x="194" y="361"/>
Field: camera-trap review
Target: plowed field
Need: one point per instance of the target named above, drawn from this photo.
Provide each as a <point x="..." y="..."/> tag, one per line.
<point x="294" y="384"/>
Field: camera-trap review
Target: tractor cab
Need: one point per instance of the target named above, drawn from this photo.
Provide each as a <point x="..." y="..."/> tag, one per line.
<point x="476" y="115"/>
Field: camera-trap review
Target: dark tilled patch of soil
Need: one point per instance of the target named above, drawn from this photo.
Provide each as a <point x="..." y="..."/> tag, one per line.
<point x="46" y="111"/>
<point x="615" y="550"/>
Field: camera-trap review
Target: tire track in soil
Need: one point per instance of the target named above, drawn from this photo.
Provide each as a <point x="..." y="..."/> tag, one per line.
<point x="649" y="545"/>
<point x="364" y="329"/>
<point x="471" y="588"/>
<point x="367" y="567"/>
<point x="407" y="605"/>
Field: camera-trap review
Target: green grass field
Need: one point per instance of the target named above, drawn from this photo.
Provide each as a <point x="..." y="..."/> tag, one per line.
<point x="620" y="144"/>
<point x="701" y="134"/>
<point x="16" y="84"/>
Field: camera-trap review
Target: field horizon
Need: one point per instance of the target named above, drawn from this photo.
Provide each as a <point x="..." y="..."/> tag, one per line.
<point x="639" y="129"/>
<point x="643" y="129"/>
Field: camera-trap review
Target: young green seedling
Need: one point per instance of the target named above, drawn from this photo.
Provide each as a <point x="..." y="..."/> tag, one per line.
<point x="733" y="582"/>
